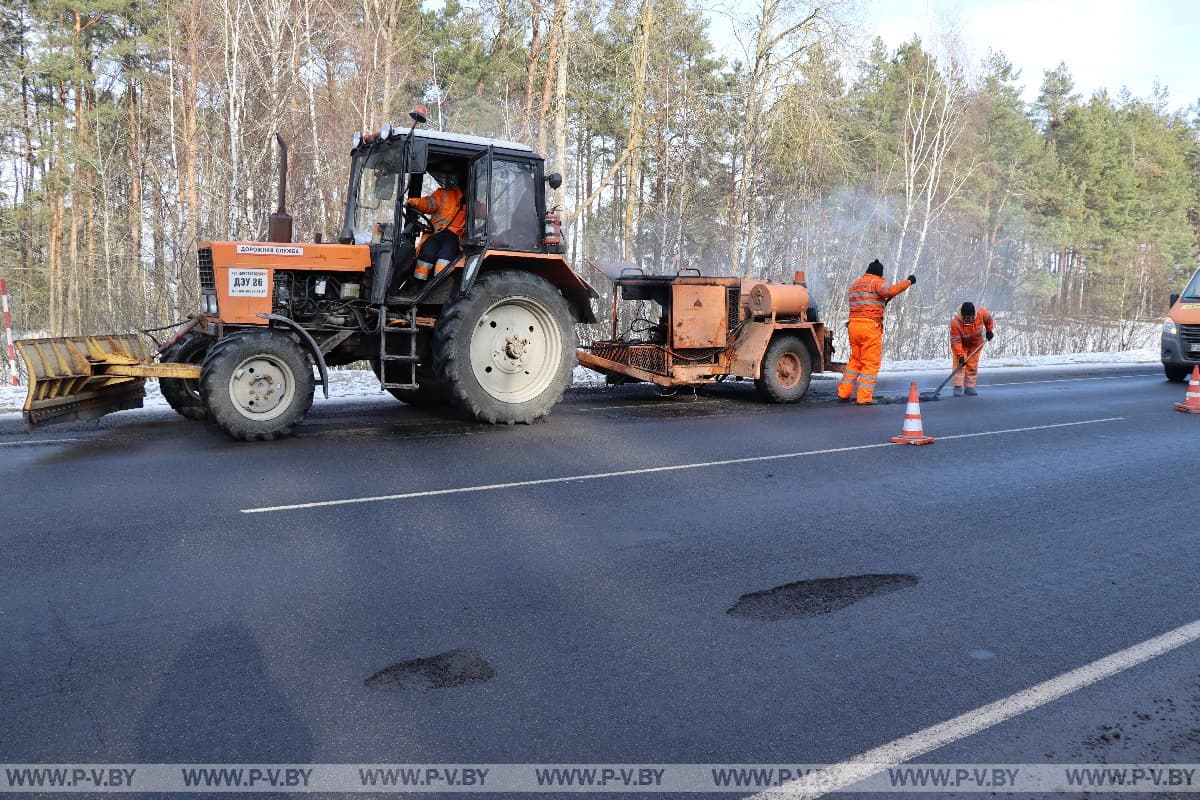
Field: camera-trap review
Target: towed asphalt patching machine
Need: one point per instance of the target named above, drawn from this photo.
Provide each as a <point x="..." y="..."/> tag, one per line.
<point x="690" y="329"/>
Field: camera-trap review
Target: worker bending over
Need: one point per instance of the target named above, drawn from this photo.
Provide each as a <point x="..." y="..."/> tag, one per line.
<point x="448" y="213"/>
<point x="968" y="330"/>
<point x="869" y="296"/>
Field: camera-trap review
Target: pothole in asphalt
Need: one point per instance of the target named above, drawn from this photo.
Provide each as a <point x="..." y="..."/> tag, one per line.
<point x="819" y="596"/>
<point x="445" y="670"/>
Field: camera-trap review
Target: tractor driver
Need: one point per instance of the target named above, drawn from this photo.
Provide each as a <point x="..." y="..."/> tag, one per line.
<point x="447" y="211"/>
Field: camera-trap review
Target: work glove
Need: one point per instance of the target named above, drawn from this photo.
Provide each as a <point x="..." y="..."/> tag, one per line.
<point x="912" y="279"/>
<point x="962" y="362"/>
<point x="989" y="335"/>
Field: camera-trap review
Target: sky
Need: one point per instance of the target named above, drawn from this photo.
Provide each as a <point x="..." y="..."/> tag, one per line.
<point x="1106" y="44"/>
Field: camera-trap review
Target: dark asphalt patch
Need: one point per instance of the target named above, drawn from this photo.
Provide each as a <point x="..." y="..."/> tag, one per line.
<point x="819" y="596"/>
<point x="443" y="671"/>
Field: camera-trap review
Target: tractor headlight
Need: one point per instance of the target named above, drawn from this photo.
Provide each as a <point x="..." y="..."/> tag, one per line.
<point x="1169" y="327"/>
<point x="208" y="305"/>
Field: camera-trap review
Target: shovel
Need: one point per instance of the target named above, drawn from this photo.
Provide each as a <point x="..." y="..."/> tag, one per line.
<point x="934" y="395"/>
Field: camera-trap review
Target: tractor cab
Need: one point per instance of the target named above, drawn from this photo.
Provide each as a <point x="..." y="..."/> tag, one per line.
<point x="503" y="185"/>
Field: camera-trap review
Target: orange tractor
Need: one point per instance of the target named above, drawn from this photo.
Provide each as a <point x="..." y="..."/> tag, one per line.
<point x="493" y="335"/>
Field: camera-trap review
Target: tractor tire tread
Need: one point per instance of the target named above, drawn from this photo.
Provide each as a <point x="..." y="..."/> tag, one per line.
<point x="457" y="379"/>
<point x="220" y="407"/>
<point x="176" y="391"/>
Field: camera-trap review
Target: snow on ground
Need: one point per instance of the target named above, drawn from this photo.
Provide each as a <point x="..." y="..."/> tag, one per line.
<point x="362" y="383"/>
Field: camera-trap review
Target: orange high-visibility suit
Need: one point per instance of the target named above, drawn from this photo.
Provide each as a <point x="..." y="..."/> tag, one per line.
<point x="448" y="213"/>
<point x="445" y="208"/>
<point x="868" y="299"/>
<point x="966" y="335"/>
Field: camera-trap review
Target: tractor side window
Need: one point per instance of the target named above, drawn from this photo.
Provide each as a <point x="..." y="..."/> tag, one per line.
<point x="515" y="221"/>
<point x="477" y="219"/>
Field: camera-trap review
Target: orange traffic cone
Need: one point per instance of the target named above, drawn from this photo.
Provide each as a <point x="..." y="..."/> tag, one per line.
<point x="1191" y="402"/>
<point x="911" y="433"/>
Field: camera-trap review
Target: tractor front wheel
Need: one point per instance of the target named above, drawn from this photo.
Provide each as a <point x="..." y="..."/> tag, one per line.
<point x="786" y="370"/>
<point x="257" y="384"/>
<point x="505" y="352"/>
<point x="183" y="394"/>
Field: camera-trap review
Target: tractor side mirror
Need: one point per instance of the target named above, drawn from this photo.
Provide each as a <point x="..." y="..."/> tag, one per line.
<point x="554" y="179"/>
<point x="1174" y="299"/>
<point x="418" y="156"/>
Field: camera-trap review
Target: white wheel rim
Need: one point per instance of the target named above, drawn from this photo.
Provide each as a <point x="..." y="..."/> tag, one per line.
<point x="262" y="387"/>
<point x="516" y="350"/>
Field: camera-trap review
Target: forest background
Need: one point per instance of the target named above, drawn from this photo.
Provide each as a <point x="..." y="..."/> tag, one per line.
<point x="132" y="129"/>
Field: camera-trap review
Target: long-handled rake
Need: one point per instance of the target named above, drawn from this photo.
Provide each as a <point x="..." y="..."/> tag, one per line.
<point x="934" y="394"/>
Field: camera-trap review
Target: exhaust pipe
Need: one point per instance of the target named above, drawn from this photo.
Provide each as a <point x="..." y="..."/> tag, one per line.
<point x="279" y="224"/>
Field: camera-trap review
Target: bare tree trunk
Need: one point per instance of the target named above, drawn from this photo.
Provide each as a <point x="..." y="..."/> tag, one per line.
<point x="531" y="62"/>
<point x="54" y="267"/>
<point x="134" y="209"/>
<point x="558" y="26"/>
<point x="560" y="103"/>
<point x="637" y="126"/>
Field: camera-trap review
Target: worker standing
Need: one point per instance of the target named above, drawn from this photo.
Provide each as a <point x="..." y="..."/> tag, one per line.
<point x="869" y="296"/>
<point x="969" y="329"/>
<point x="446" y="210"/>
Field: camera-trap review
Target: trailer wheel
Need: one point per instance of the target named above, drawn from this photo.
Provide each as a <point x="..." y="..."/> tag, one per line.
<point x="786" y="370"/>
<point x="505" y="352"/>
<point x="257" y="384"/>
<point x="183" y="394"/>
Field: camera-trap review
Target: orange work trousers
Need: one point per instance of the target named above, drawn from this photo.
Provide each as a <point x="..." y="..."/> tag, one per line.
<point x="866" y="354"/>
<point x="968" y="374"/>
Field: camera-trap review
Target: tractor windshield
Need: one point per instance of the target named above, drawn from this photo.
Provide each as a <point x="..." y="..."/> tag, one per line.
<point x="381" y="181"/>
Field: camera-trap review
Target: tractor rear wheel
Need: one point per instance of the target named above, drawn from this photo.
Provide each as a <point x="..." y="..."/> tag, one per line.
<point x="786" y="370"/>
<point x="257" y="384"/>
<point x="505" y="352"/>
<point x="183" y="394"/>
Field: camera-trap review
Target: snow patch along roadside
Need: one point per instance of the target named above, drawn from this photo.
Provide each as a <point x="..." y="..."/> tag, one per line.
<point x="362" y="383"/>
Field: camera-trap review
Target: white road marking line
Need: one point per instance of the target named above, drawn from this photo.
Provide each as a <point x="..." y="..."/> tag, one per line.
<point x="592" y="476"/>
<point x="647" y="405"/>
<point x="1070" y="380"/>
<point x="864" y="765"/>
<point x="37" y="441"/>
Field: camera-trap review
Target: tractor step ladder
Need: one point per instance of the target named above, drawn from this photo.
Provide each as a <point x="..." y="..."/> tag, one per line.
<point x="388" y="356"/>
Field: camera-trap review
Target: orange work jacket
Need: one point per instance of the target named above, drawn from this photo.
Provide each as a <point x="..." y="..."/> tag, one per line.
<point x="869" y="296"/>
<point x="966" y="337"/>
<point x="445" y="208"/>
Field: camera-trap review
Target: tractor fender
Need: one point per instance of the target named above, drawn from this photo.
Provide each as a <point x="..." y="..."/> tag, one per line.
<point x="554" y="269"/>
<point x="309" y="343"/>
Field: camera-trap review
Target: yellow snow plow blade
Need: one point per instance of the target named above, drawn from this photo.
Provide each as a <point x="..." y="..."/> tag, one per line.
<point x="85" y="377"/>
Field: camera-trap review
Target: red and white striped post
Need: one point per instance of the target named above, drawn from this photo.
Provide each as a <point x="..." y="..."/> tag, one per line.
<point x="12" y="353"/>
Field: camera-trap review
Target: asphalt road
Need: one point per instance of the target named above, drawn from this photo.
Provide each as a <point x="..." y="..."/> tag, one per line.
<point x="170" y="596"/>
